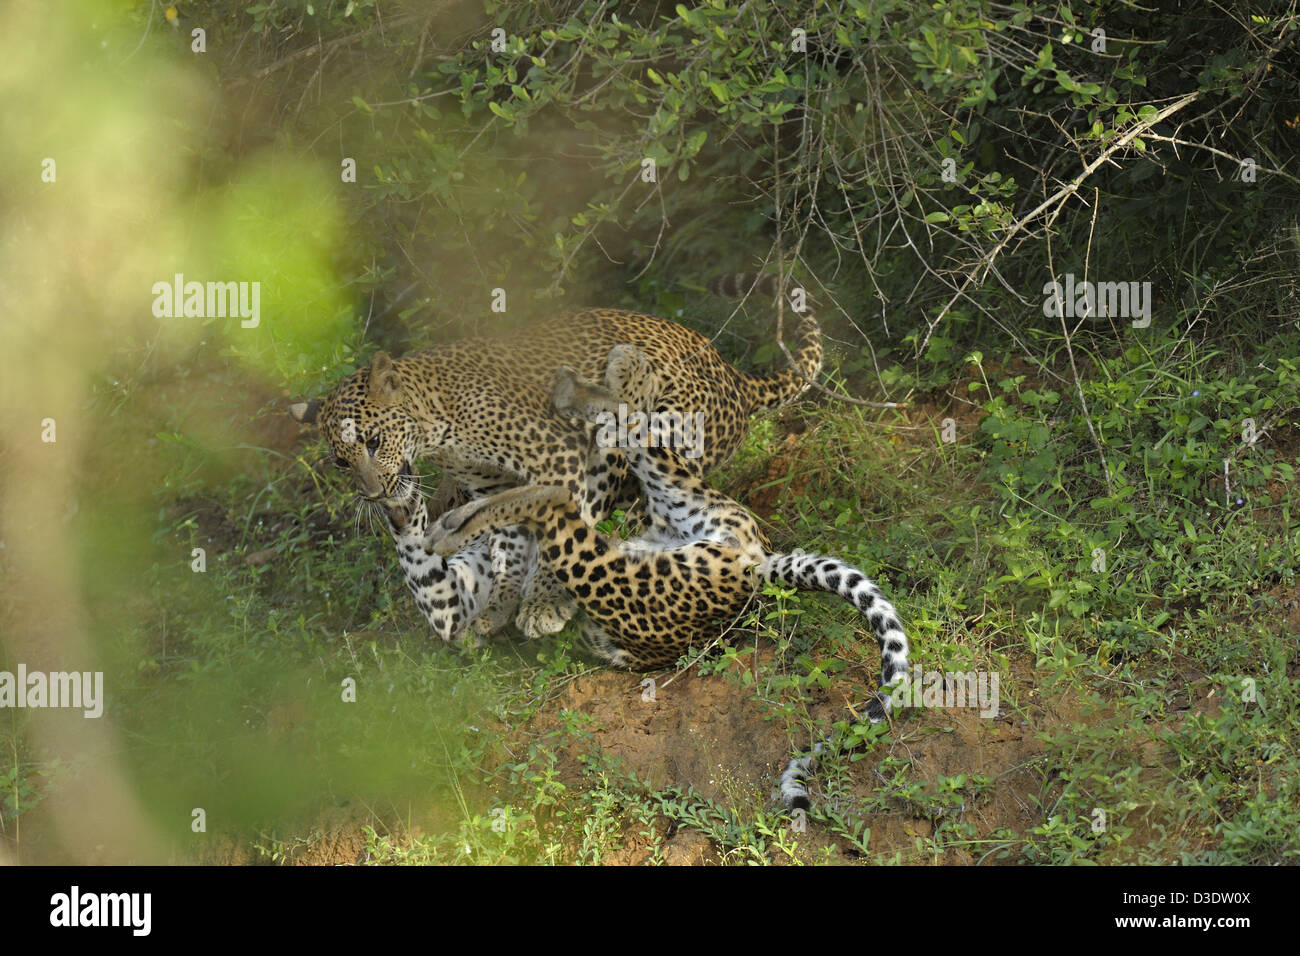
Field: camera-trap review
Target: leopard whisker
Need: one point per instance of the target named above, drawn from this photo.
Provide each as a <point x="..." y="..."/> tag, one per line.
<point x="427" y="487"/>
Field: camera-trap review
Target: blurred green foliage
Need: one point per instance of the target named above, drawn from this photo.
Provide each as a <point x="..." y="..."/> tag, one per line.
<point x="911" y="164"/>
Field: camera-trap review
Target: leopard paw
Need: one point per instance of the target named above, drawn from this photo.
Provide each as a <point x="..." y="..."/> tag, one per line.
<point x="540" y="617"/>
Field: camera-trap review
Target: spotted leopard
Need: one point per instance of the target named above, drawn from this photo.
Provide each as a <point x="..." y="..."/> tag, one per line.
<point x="652" y="598"/>
<point x="480" y="410"/>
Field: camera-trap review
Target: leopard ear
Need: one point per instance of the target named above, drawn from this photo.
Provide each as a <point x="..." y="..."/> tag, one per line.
<point x="305" y="412"/>
<point x="385" y="387"/>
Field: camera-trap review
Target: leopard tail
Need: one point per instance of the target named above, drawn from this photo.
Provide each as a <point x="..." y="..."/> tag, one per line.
<point x="820" y="573"/>
<point x="772" y="391"/>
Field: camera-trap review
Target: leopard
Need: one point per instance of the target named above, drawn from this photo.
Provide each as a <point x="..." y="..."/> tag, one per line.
<point x="480" y="410"/>
<point x="473" y="592"/>
<point x="652" y="598"/>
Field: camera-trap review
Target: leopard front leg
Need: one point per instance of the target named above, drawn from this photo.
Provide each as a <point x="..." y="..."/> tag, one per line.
<point x="680" y="506"/>
<point x="451" y="592"/>
<point x="533" y="506"/>
<point x="450" y="494"/>
<point x="511" y="560"/>
<point x="566" y="545"/>
<point x="541" y="606"/>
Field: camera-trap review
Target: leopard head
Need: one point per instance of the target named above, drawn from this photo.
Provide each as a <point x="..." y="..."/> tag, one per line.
<point x="370" y="429"/>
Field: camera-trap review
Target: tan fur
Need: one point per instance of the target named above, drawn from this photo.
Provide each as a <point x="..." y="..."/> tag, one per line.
<point x="480" y="409"/>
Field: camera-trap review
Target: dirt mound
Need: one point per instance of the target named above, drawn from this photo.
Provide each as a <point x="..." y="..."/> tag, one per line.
<point x="696" y="731"/>
<point x="707" y="734"/>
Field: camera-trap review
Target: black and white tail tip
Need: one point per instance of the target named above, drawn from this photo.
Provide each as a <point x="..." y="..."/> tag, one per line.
<point x="830" y="574"/>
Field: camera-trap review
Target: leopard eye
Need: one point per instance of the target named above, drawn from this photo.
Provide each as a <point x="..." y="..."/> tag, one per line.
<point x="372" y="443"/>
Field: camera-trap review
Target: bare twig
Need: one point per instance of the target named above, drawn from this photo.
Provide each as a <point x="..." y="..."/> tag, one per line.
<point x="1069" y="347"/>
<point x="314" y="50"/>
<point x="1057" y="199"/>
<point x="1175" y="141"/>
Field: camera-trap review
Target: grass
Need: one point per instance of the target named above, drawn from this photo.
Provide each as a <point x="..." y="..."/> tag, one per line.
<point x="1148" y="708"/>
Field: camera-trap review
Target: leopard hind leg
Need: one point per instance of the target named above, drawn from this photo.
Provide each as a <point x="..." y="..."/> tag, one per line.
<point x="607" y="648"/>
